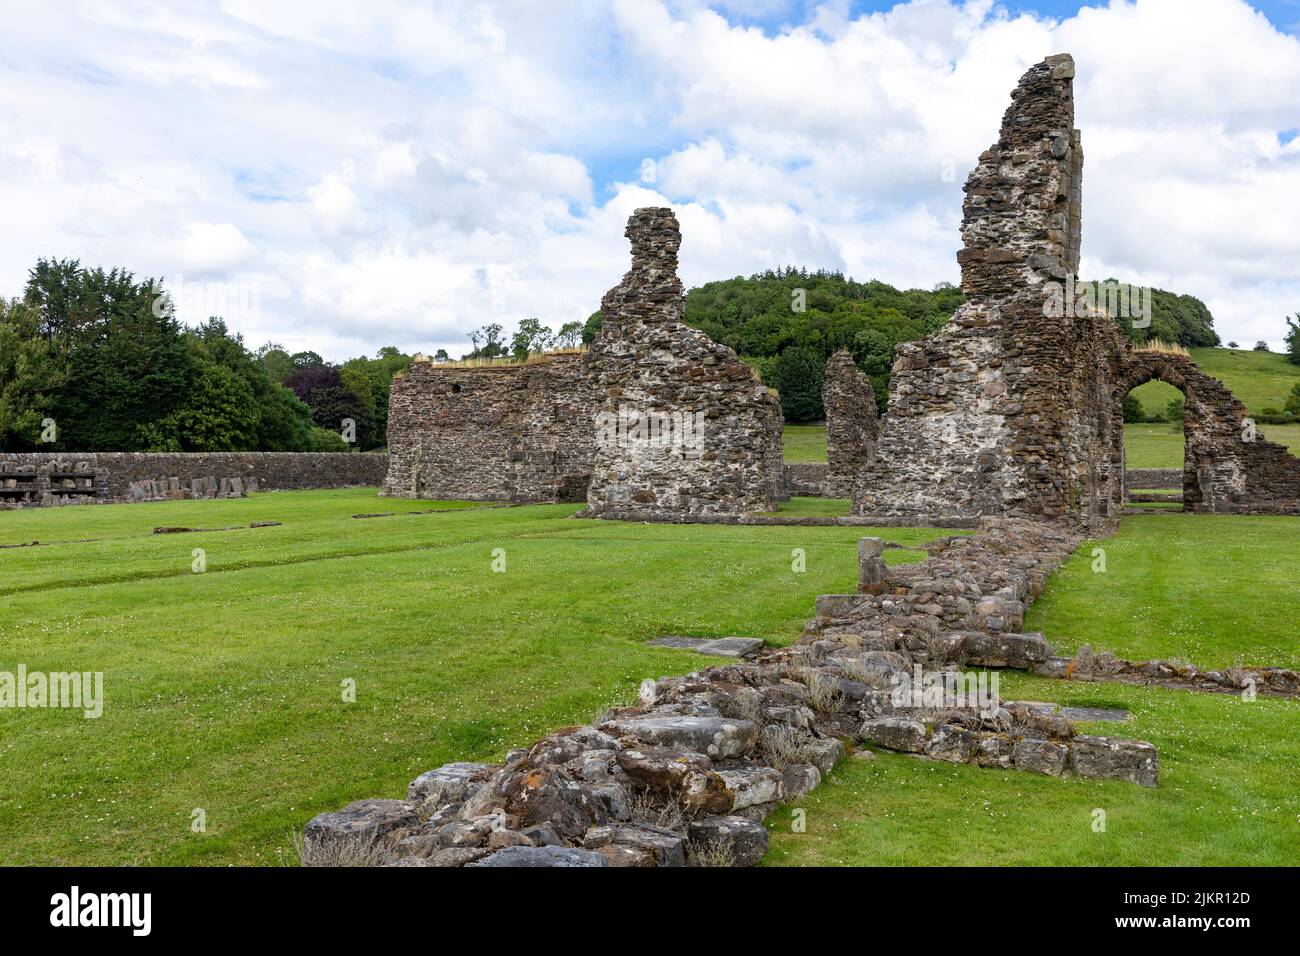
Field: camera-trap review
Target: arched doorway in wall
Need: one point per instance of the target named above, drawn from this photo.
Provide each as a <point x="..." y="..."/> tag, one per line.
<point x="1155" y="445"/>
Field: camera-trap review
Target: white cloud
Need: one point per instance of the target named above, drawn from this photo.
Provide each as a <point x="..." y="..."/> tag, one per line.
<point x="213" y="247"/>
<point x="392" y="173"/>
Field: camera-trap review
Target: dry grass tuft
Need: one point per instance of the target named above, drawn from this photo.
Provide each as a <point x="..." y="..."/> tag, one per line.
<point x="1159" y="345"/>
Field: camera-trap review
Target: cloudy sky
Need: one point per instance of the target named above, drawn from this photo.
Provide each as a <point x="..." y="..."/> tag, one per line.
<point x="351" y="175"/>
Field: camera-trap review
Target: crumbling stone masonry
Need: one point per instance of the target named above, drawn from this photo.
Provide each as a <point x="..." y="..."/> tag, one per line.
<point x="1228" y="465"/>
<point x="519" y="433"/>
<point x="684" y="428"/>
<point x="1006" y="410"/>
<point x="34" y="479"/>
<point x="1015" y="407"/>
<point x="850" y="404"/>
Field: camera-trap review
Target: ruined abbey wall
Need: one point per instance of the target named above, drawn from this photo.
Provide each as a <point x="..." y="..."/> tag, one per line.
<point x="1015" y="406"/>
<point x="851" y="424"/>
<point x="1228" y="465"/>
<point x="520" y="433"/>
<point x="684" y="427"/>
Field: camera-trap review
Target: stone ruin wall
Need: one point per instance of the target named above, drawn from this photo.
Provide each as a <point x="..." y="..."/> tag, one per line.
<point x="1015" y="407"/>
<point x="715" y="443"/>
<point x="519" y="433"/>
<point x="35" y="479"/>
<point x="989" y="415"/>
<point x="851" y="424"/>
<point x="1228" y="465"/>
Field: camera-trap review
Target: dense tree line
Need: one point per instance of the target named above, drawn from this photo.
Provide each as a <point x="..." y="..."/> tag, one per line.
<point x="95" y="360"/>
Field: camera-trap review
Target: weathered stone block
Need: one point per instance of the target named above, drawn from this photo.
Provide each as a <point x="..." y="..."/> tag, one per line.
<point x="1107" y="758"/>
<point x="541" y="856"/>
<point x="740" y="840"/>
<point x="1041" y="756"/>
<point x="895" y="733"/>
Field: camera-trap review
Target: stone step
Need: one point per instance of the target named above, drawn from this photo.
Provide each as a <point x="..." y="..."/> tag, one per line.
<point x="713" y="646"/>
<point x="1075" y="713"/>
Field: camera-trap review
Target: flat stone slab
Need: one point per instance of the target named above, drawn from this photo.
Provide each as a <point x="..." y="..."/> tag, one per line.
<point x="713" y="646"/>
<point x="1075" y="713"/>
<point x="541" y="856"/>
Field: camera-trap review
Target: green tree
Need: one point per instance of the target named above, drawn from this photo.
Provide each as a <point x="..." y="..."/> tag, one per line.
<point x="798" y="374"/>
<point x="1293" y="401"/>
<point x="1292" y="339"/>
<point x="219" y="414"/>
<point x="569" y="336"/>
<point x="32" y="370"/>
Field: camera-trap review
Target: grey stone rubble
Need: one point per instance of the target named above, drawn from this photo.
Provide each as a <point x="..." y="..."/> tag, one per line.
<point x="689" y="777"/>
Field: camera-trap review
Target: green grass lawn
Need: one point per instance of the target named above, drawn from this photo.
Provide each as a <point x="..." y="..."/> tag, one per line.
<point x="1217" y="590"/>
<point x="1227" y="796"/>
<point x="804" y="443"/>
<point x="223" y="689"/>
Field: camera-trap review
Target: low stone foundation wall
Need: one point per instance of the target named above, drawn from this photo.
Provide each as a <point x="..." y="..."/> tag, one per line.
<point x="34" y="479"/>
<point x="809" y="479"/>
<point x="687" y="775"/>
<point x="1154" y="478"/>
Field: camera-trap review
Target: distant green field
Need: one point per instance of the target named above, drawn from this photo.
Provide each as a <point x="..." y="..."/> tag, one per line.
<point x="1160" y="445"/>
<point x="1260" y="379"/>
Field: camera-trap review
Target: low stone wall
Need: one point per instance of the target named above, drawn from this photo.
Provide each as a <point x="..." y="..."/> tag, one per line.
<point x="1104" y="666"/>
<point x="687" y="775"/>
<point x="1153" y="478"/>
<point x="30" y="479"/>
<point x="808" y="479"/>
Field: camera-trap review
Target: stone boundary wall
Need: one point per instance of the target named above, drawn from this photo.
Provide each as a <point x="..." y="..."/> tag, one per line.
<point x="88" y="477"/>
<point x="808" y="479"/>
<point x="518" y="433"/>
<point x="687" y="775"/>
<point x="1153" y="478"/>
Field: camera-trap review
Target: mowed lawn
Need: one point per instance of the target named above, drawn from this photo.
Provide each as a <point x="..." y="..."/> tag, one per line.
<point x="1217" y="590"/>
<point x="224" y="690"/>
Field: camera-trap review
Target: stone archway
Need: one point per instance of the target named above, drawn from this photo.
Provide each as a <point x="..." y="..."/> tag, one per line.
<point x="1228" y="465"/>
